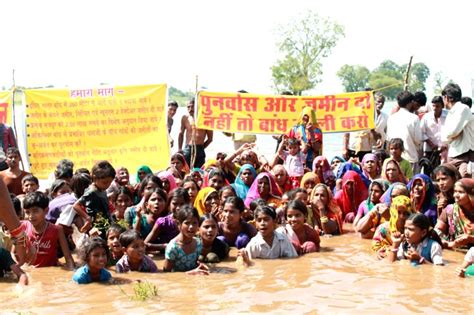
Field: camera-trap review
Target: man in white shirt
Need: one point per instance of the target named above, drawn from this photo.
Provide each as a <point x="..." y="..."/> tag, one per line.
<point x="431" y="125"/>
<point x="458" y="130"/>
<point x="406" y="126"/>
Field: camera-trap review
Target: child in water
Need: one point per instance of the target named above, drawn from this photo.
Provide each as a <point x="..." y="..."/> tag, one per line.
<point x="419" y="244"/>
<point x="467" y="268"/>
<point x="94" y="254"/>
<point x="134" y="258"/>
<point x="113" y="242"/>
<point x="213" y="249"/>
<point x="183" y="251"/>
<point x="268" y="243"/>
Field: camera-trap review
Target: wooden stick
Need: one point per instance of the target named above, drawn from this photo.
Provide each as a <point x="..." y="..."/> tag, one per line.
<point x="407" y="74"/>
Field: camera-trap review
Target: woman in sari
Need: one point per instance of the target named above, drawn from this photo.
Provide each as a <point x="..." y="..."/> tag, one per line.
<point x="423" y="197"/>
<point x="326" y="213"/>
<point x="323" y="170"/>
<point x="376" y="189"/>
<point x="351" y="195"/>
<point x="455" y="225"/>
<point x="264" y="187"/>
<point x="282" y="178"/>
<point x="400" y="210"/>
<point x="244" y="180"/>
<point x="392" y="172"/>
<point x="168" y="180"/>
<point x="178" y="161"/>
<point x="309" y="133"/>
<point x="308" y="181"/>
<point x="207" y="201"/>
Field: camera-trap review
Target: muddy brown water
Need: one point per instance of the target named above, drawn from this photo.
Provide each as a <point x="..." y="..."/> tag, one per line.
<point x="345" y="277"/>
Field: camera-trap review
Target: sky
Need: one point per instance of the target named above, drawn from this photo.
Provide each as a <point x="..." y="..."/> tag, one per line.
<point x="228" y="45"/>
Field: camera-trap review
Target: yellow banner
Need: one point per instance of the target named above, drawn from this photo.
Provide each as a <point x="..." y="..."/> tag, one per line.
<point x="267" y="114"/>
<point x="125" y="125"/>
<point x="6" y="107"/>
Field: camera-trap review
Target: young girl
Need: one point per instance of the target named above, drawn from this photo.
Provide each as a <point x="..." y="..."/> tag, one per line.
<point x="113" y="242"/>
<point x="154" y="207"/>
<point x="149" y="183"/>
<point x="423" y="196"/>
<point x="232" y="229"/>
<point x="122" y="202"/>
<point x="268" y="243"/>
<point x="213" y="249"/>
<point x="445" y="176"/>
<point x="134" y="258"/>
<point x="294" y="160"/>
<point x="165" y="228"/>
<point x="304" y="238"/>
<point x="191" y="187"/>
<point x="61" y="197"/>
<point x="224" y="193"/>
<point x="214" y="178"/>
<point x="419" y="244"/>
<point x="396" y="149"/>
<point x="183" y="251"/>
<point x="94" y="254"/>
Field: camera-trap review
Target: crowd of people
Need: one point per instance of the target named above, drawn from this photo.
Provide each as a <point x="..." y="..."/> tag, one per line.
<point x="406" y="185"/>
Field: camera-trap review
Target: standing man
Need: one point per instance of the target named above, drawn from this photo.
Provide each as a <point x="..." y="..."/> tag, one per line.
<point x="381" y="118"/>
<point x="172" y="108"/>
<point x="431" y="126"/>
<point x="13" y="175"/>
<point x="196" y="139"/>
<point x="458" y="130"/>
<point x="7" y="140"/>
<point x="406" y="126"/>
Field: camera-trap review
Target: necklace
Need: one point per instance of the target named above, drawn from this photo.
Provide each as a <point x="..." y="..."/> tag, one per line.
<point x="37" y="242"/>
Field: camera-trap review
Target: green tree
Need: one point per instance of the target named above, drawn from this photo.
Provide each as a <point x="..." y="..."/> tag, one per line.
<point x="179" y="96"/>
<point x="304" y="43"/>
<point x="419" y="72"/>
<point x="388" y="73"/>
<point x="354" y="78"/>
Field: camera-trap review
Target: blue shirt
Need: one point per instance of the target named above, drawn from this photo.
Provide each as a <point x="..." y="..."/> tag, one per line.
<point x="83" y="276"/>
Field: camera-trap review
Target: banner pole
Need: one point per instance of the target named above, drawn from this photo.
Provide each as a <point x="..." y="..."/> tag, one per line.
<point x="13" y="116"/>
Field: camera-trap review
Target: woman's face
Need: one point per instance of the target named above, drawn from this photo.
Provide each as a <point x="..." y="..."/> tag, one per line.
<point x="247" y="177"/>
<point x="280" y="176"/>
<point x="216" y="182"/>
<point x="403" y="215"/>
<point x="141" y="175"/>
<point x="349" y="186"/>
<point x="123" y="176"/>
<point x="392" y="172"/>
<point x="461" y="196"/>
<point x="375" y="193"/>
<point x="335" y="164"/>
<point x="445" y="182"/>
<point x="230" y="214"/>
<point x="226" y="194"/>
<point x="263" y="187"/>
<point x="177" y="164"/>
<point x="370" y="166"/>
<point x="191" y="189"/>
<point x="320" y="195"/>
<point x="211" y="202"/>
<point x="309" y="185"/>
<point x="417" y="188"/>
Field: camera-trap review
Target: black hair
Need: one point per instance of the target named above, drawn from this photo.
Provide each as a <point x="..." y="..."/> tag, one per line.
<point x="422" y="222"/>
<point x="207" y="216"/>
<point x="103" y="169"/>
<point x="420" y="98"/>
<point x="293" y="141"/>
<point x="397" y="143"/>
<point x="114" y="227"/>
<point x="88" y="245"/>
<point x="63" y="172"/>
<point x="16" y="205"/>
<point x="225" y="188"/>
<point x="160" y="193"/>
<point x="256" y="203"/>
<point x="79" y="183"/>
<point x="292" y="193"/>
<point x="184" y="213"/>
<point x="437" y="100"/>
<point x="380" y="96"/>
<point x="297" y="205"/>
<point x="149" y="178"/>
<point x="179" y="192"/>
<point x="173" y="103"/>
<point x="36" y="199"/>
<point x="267" y="210"/>
<point x="13" y="150"/>
<point x="30" y="178"/>
<point x="467" y="101"/>
<point x="448" y="171"/>
<point x="56" y="185"/>
<point x="189" y="179"/>
<point x="82" y="170"/>
<point x="452" y="91"/>
<point x="404" y="98"/>
<point x="216" y="172"/>
<point x="123" y="190"/>
<point x="237" y="202"/>
<point x="381" y="154"/>
<point x="127" y="237"/>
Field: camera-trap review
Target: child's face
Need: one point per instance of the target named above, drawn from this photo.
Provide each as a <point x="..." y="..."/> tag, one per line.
<point x="395" y="151"/>
<point x="103" y="183"/>
<point x="226" y="194"/>
<point x="302" y="196"/>
<point x="189" y="227"/>
<point x="216" y="182"/>
<point x="413" y="234"/>
<point x="156" y="204"/>
<point x="35" y="215"/>
<point x="12" y="160"/>
<point x="208" y="230"/>
<point x="265" y="225"/>
<point x="445" y="182"/>
<point x="212" y="201"/>
<point x="166" y="185"/>
<point x="230" y="214"/>
<point x="122" y="202"/>
<point x="152" y="185"/>
<point x="295" y="218"/>
<point x="370" y="166"/>
<point x="191" y="189"/>
<point x="403" y="214"/>
<point x="136" y="250"/>
<point x="29" y="186"/>
<point x="97" y="258"/>
<point x="113" y="242"/>
<point x="293" y="149"/>
<point x="176" y="203"/>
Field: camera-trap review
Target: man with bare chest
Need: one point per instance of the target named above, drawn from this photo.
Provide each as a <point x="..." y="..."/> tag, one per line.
<point x="196" y="139"/>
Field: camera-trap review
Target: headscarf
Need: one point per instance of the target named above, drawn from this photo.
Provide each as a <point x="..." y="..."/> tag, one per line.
<point x="334" y="210"/>
<point x="253" y="190"/>
<point x="182" y="159"/>
<point x="398" y="201"/>
<point x="387" y="196"/>
<point x="145" y="169"/>
<point x="210" y="173"/>
<point x="170" y="178"/>
<point x="239" y="186"/>
<point x="349" y="166"/>
<point x="209" y="163"/>
<point x="383" y="184"/>
<point x="401" y="178"/>
<point x="308" y="177"/>
<point x="370" y="157"/>
<point x="327" y="172"/>
<point x="360" y="193"/>
<point x="428" y="197"/>
<point x="287" y="185"/>
<point x="199" y="202"/>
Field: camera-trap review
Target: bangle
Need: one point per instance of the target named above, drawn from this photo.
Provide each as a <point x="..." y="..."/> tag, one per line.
<point x="20" y="240"/>
<point x="16" y="232"/>
<point x="324" y="219"/>
<point x="422" y="260"/>
<point x="394" y="250"/>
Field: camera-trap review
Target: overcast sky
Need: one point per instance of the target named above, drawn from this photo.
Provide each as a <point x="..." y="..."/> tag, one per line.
<point x="229" y="44"/>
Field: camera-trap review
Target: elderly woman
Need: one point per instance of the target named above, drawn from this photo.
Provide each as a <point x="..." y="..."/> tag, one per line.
<point x="326" y="213"/>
